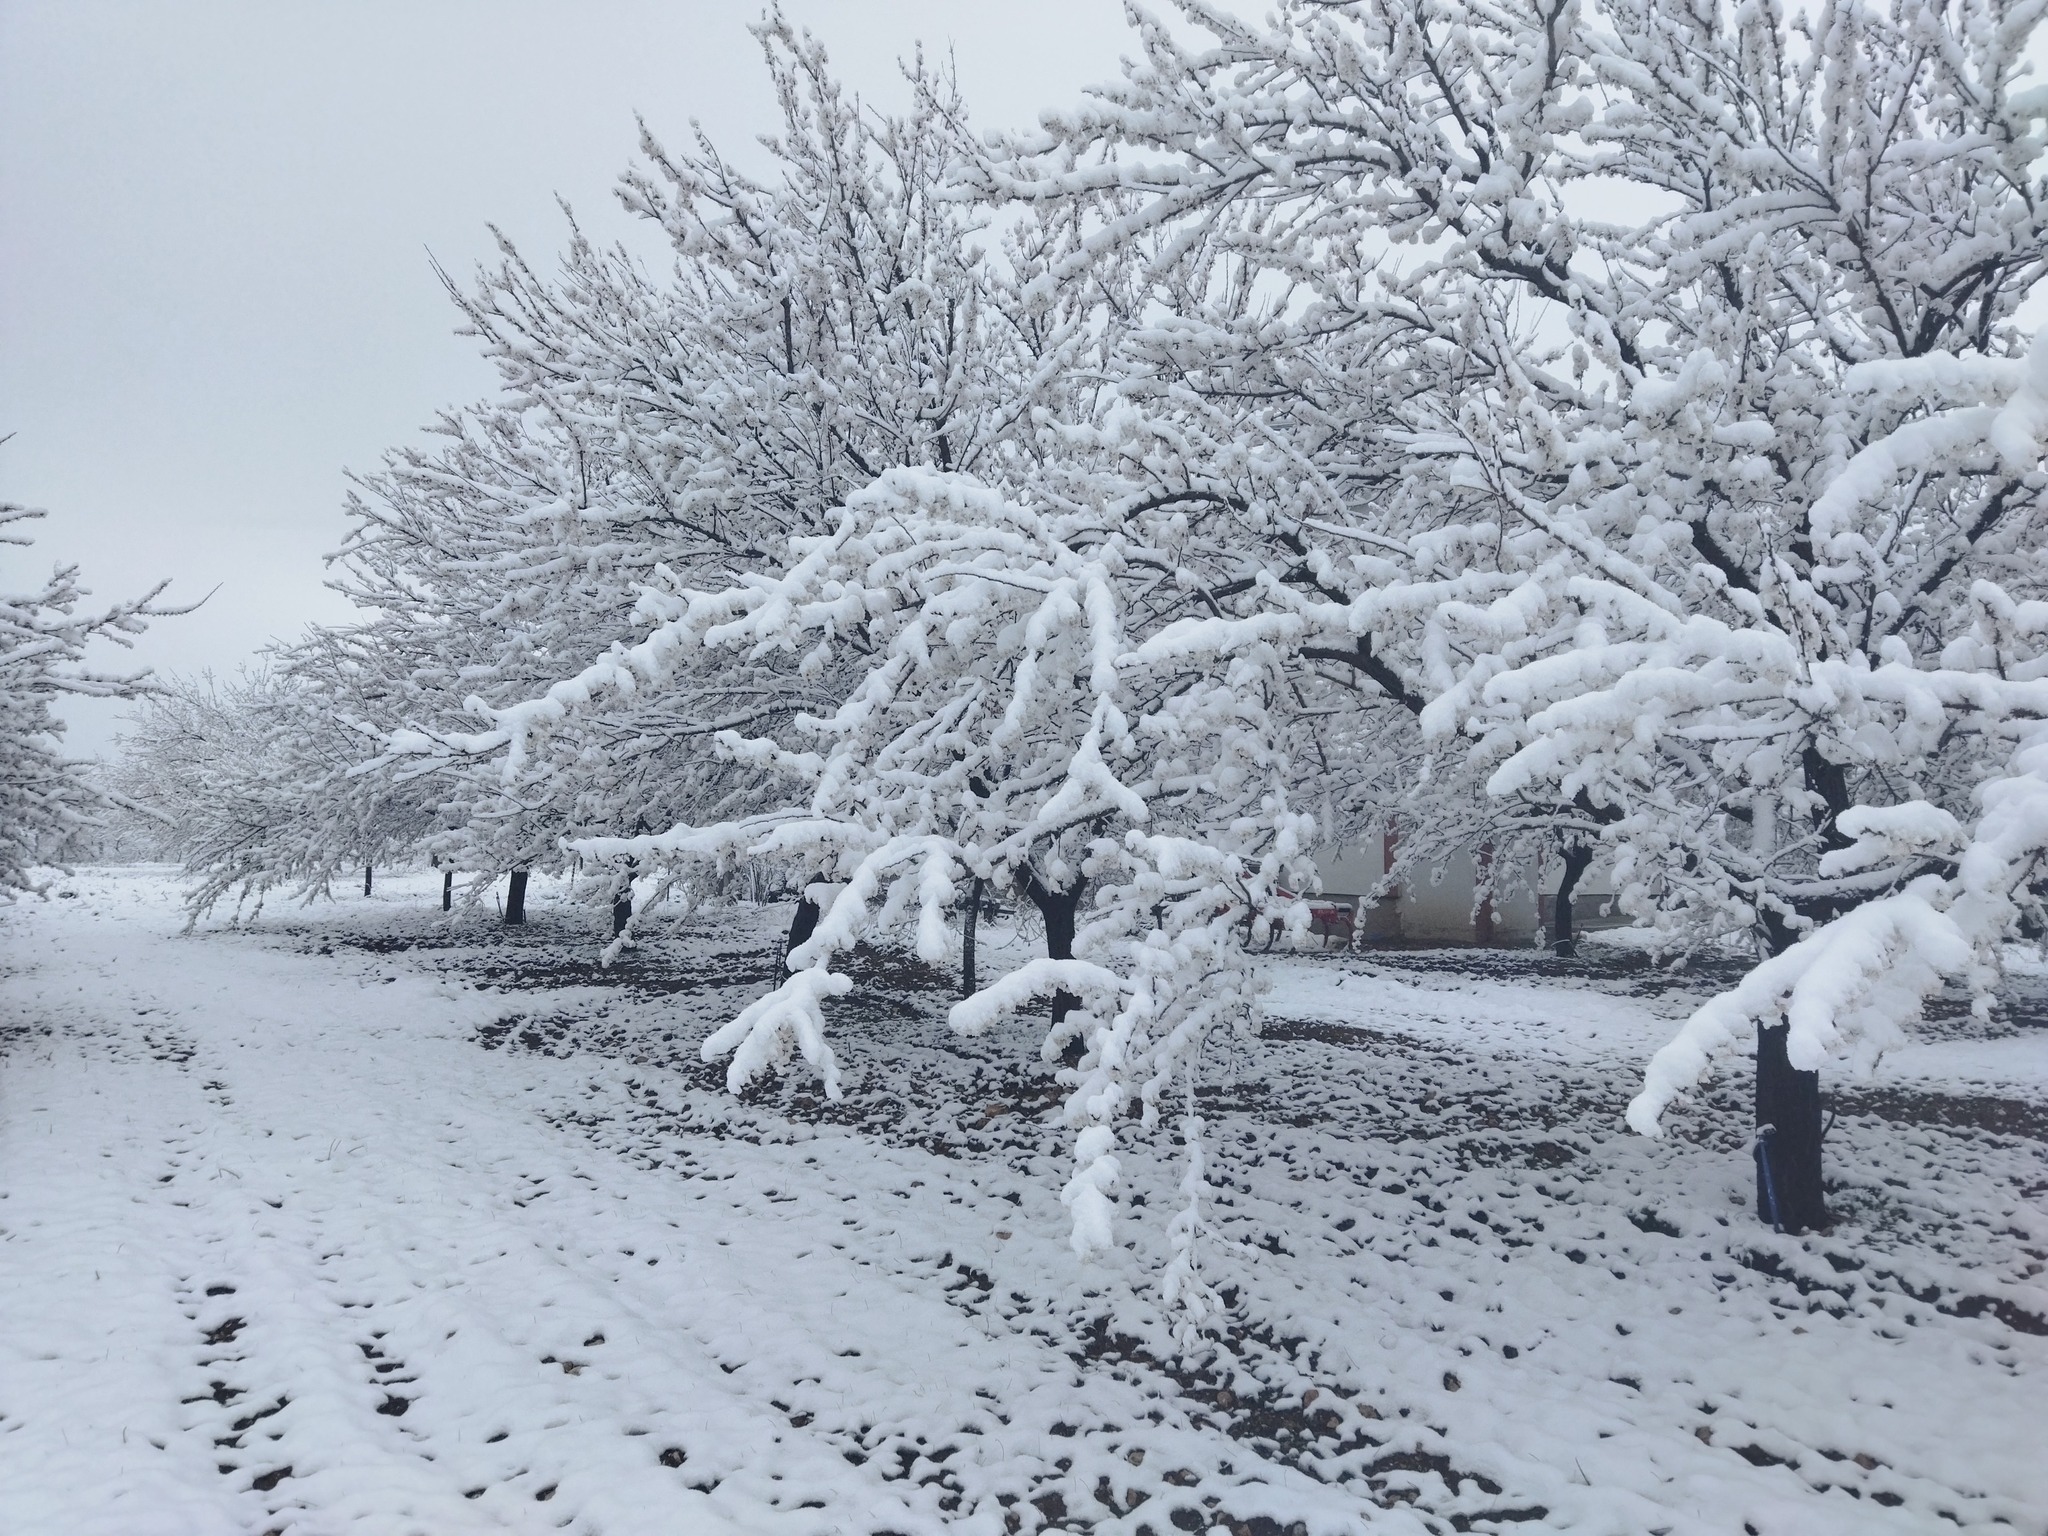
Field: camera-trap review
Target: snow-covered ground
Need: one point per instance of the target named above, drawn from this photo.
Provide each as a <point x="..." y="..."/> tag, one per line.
<point x="368" y="1220"/>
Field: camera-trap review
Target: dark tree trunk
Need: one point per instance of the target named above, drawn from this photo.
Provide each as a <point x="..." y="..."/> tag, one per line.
<point x="1788" y="1164"/>
<point x="622" y="898"/>
<point x="1059" y="909"/>
<point x="804" y="924"/>
<point x="1576" y="860"/>
<point x="2030" y="926"/>
<point x="1831" y="782"/>
<point x="447" y="890"/>
<point x="967" y="987"/>
<point x="515" y="897"/>
<point x="1790" y="1194"/>
<point x="1788" y="1101"/>
<point x="366" y="879"/>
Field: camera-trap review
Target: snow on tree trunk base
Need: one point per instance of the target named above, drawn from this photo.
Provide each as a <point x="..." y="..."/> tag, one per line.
<point x="515" y="897"/>
<point x="1788" y="1168"/>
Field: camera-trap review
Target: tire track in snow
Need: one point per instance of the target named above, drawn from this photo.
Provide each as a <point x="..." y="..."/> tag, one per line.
<point x="351" y="1198"/>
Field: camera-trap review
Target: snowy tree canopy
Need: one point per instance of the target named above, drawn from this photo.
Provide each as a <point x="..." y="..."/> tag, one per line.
<point x="817" y="328"/>
<point x="1642" y="384"/>
<point x="46" y="799"/>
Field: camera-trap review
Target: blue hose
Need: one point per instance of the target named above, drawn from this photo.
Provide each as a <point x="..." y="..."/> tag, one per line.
<point x="1763" y="1162"/>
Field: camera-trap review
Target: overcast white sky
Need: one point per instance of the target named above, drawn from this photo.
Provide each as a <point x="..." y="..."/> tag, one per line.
<point x="214" y="224"/>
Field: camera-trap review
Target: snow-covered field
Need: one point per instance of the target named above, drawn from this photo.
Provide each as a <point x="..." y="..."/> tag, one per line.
<point x="364" y="1219"/>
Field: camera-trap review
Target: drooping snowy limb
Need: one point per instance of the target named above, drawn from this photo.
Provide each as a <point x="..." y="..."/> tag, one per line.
<point x="46" y="799"/>
<point x="724" y="841"/>
<point x="1146" y="1005"/>
<point x="1858" y="977"/>
<point x="1188" y="1297"/>
<point x="1162" y="959"/>
<point x="760" y="1037"/>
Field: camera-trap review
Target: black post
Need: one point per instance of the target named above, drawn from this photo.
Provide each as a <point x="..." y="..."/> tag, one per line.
<point x="967" y="987"/>
<point x="447" y="890"/>
<point x="515" y="898"/>
<point x="1576" y="859"/>
<point x="1788" y="1175"/>
<point x="366" y="879"/>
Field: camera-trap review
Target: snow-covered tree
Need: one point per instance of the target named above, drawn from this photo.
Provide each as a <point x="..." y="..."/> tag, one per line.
<point x="251" y="782"/>
<point x="47" y="800"/>
<point x="1630" y="391"/>
<point x="1000" y="728"/>
<point x="1935" y="848"/>
<point x="819" y="326"/>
